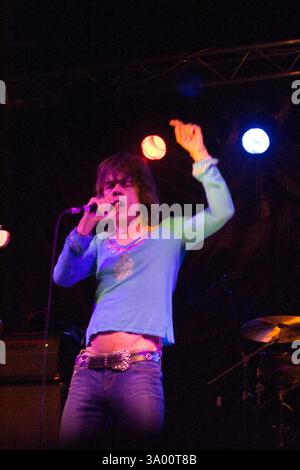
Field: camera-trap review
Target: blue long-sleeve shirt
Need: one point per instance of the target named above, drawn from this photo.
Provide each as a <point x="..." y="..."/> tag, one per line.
<point x="135" y="285"/>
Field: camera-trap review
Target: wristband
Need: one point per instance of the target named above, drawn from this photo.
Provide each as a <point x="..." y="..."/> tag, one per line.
<point x="199" y="168"/>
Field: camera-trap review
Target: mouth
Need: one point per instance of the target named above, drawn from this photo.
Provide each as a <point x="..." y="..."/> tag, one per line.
<point x="117" y="203"/>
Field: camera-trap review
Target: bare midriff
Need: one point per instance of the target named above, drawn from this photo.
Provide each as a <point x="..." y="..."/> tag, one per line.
<point x="110" y="341"/>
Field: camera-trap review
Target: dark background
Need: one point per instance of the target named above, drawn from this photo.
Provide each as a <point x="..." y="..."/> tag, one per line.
<point x="50" y="152"/>
<point x="58" y="34"/>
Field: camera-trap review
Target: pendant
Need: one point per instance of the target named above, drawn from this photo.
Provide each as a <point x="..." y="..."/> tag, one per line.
<point x="123" y="267"/>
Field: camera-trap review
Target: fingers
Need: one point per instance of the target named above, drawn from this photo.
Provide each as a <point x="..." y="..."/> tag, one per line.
<point x="174" y="122"/>
<point x="178" y="132"/>
<point x="178" y="125"/>
<point x="93" y="200"/>
<point x="196" y="131"/>
<point x="104" y="208"/>
<point x="185" y="133"/>
<point x="99" y="200"/>
<point x="189" y="131"/>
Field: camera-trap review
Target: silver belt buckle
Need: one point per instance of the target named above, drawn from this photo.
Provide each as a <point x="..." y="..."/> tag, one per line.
<point x="124" y="356"/>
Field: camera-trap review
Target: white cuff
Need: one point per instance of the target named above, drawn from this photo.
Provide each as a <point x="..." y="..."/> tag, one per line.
<point x="199" y="168"/>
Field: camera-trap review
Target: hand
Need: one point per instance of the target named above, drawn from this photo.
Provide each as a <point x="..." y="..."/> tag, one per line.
<point x="190" y="137"/>
<point x="90" y="219"/>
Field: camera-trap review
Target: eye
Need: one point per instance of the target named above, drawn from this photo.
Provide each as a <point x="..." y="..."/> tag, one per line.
<point x="109" y="184"/>
<point x="127" y="182"/>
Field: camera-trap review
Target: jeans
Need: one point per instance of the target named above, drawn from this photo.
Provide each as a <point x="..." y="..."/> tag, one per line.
<point x="112" y="409"/>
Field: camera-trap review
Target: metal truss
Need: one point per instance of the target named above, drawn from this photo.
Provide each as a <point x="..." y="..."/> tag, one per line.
<point x="210" y="67"/>
<point x="214" y="67"/>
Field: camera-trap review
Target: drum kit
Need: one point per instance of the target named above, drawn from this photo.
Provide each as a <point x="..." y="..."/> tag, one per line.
<point x="275" y="384"/>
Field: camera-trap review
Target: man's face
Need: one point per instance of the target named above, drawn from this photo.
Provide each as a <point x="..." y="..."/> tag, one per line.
<point x="117" y="185"/>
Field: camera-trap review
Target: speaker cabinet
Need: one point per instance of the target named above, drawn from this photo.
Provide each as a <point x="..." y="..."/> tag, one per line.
<point x="21" y="423"/>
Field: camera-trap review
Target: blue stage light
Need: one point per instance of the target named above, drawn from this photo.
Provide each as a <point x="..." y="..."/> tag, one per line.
<point x="255" y="141"/>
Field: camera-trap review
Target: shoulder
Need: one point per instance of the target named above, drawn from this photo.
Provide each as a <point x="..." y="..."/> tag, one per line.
<point x="173" y="226"/>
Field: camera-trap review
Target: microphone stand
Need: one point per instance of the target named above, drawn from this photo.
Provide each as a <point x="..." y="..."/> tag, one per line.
<point x="246" y="358"/>
<point x="42" y="443"/>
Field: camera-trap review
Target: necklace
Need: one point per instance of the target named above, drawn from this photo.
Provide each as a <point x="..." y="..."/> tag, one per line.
<point x="125" y="264"/>
<point x="115" y="248"/>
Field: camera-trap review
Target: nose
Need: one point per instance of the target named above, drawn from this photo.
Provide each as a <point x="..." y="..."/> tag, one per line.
<point x="117" y="190"/>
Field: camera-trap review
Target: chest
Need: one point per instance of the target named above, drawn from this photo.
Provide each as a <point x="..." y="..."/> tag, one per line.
<point x="148" y="255"/>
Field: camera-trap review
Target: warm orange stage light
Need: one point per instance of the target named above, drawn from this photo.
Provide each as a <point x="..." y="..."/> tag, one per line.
<point x="154" y="147"/>
<point x="4" y="237"/>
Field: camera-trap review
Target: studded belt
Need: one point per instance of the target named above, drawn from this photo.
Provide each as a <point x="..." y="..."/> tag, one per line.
<point x="117" y="360"/>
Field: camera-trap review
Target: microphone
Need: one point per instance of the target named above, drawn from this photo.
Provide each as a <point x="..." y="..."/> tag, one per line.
<point x="86" y="208"/>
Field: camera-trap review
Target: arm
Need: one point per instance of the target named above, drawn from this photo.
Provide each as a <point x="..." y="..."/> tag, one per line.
<point x="77" y="260"/>
<point x="220" y="206"/>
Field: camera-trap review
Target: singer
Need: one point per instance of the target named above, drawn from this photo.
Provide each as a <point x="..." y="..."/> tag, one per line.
<point x="116" y="395"/>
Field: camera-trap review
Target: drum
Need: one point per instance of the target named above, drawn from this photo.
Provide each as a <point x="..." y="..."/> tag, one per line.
<point x="276" y="369"/>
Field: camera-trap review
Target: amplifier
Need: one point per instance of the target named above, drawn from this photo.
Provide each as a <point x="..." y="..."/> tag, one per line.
<point x="25" y="359"/>
<point x="20" y="416"/>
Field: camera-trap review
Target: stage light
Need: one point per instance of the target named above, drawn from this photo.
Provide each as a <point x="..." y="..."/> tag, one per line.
<point x="4" y="237"/>
<point x="154" y="147"/>
<point x="255" y="141"/>
<point x="189" y="83"/>
<point x="259" y="133"/>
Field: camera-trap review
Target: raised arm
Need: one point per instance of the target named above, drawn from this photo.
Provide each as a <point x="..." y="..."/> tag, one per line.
<point x="220" y="206"/>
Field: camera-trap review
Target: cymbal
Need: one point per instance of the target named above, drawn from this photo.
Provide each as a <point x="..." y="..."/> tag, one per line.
<point x="282" y="328"/>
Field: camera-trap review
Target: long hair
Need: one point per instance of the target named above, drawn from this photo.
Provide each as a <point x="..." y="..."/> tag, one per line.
<point x="129" y="165"/>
